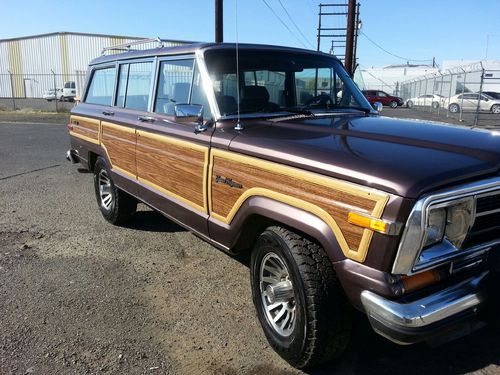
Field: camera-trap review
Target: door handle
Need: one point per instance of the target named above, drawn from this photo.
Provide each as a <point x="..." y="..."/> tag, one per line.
<point x="108" y="113"/>
<point x="146" y="119"/>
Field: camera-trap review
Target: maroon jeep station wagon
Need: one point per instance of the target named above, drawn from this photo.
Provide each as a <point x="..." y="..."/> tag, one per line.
<point x="278" y="155"/>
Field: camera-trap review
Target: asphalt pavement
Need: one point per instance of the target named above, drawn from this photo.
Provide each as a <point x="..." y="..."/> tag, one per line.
<point x="78" y="295"/>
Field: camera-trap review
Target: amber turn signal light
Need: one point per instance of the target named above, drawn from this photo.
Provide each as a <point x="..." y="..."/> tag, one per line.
<point x="420" y="280"/>
<point x="368" y="222"/>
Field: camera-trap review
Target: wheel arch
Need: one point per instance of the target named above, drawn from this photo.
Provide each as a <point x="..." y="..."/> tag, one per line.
<point x="257" y="213"/>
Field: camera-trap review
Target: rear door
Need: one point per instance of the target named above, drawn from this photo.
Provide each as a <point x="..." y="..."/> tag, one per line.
<point x="382" y="98"/>
<point x="172" y="156"/>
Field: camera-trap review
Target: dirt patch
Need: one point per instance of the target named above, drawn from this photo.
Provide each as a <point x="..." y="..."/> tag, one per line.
<point x="24" y="116"/>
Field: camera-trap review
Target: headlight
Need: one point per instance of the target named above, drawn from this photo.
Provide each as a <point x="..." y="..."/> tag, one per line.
<point x="450" y="221"/>
<point x="435" y="231"/>
<point x="436" y="225"/>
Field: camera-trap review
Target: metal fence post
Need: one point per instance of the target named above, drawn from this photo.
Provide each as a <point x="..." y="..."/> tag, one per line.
<point x="476" y="118"/>
<point x="463" y="89"/>
<point x="449" y="95"/>
<point x="55" y="89"/>
<point x="12" y="91"/>
<point x="441" y="92"/>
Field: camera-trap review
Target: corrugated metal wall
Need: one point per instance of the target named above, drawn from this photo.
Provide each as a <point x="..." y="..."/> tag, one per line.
<point x="65" y="54"/>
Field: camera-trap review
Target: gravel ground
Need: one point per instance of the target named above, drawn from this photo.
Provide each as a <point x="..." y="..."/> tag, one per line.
<point x="80" y="296"/>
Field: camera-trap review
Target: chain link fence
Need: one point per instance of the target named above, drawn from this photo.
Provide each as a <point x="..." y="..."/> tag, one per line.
<point x="467" y="94"/>
<point x="44" y="92"/>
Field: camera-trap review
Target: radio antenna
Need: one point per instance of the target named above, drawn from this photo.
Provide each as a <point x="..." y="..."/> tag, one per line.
<point x="238" y="126"/>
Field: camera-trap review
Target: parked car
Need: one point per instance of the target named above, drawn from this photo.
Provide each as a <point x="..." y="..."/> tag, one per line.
<point x="374" y="96"/>
<point x="495" y="95"/>
<point x="469" y="102"/>
<point x="53" y="94"/>
<point x="433" y="100"/>
<point x="336" y="206"/>
<point x="69" y="91"/>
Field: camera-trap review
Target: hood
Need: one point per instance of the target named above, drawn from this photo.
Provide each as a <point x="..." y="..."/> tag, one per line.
<point x="403" y="157"/>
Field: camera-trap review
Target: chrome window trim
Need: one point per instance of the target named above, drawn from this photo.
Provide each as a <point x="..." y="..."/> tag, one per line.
<point x="207" y="84"/>
<point x="409" y="251"/>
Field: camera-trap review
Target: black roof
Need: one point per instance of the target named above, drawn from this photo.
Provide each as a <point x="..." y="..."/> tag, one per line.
<point x="191" y="48"/>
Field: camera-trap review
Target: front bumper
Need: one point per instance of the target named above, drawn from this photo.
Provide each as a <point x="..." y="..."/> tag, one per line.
<point x="425" y="318"/>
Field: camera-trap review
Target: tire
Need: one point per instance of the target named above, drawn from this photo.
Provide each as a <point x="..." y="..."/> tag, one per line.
<point x="495" y="108"/>
<point x="316" y="323"/>
<point x="393" y="104"/>
<point x="409" y="104"/>
<point x="435" y="105"/>
<point x="454" y="108"/>
<point x="115" y="205"/>
<point x="62" y="99"/>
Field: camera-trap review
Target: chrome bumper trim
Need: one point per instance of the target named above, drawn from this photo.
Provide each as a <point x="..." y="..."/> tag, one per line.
<point x="428" y="310"/>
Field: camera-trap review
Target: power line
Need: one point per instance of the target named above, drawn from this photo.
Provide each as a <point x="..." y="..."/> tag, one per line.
<point x="298" y="29"/>
<point x="284" y="24"/>
<point x="390" y="53"/>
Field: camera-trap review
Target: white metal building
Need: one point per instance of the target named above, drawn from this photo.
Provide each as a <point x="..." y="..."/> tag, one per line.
<point x="30" y="65"/>
<point x="388" y="78"/>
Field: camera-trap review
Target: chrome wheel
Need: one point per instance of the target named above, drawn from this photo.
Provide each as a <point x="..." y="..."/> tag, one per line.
<point x="277" y="294"/>
<point x="105" y="191"/>
<point x="453" y="108"/>
<point x="495" y="109"/>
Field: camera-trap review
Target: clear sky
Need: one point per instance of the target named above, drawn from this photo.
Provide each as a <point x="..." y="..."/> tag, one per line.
<point x="417" y="29"/>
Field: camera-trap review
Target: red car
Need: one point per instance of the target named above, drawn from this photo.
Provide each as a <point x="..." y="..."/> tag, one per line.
<point x="383" y="97"/>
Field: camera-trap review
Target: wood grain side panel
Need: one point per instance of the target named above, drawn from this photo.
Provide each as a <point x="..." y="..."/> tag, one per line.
<point x="177" y="169"/>
<point x="119" y="142"/>
<point x="324" y="195"/>
<point x="85" y="128"/>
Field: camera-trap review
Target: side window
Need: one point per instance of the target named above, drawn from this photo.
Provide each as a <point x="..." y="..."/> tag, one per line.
<point x="101" y="86"/>
<point x="381" y="94"/>
<point x="134" y="85"/>
<point x="174" y="85"/>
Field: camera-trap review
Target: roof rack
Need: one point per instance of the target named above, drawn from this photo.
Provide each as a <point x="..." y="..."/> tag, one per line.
<point x="127" y="46"/>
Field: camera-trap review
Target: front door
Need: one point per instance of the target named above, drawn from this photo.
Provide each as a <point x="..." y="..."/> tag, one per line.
<point x="172" y="157"/>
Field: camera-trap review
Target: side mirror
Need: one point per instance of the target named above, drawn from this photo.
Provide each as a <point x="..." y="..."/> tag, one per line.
<point x="190" y="113"/>
<point x="377" y="106"/>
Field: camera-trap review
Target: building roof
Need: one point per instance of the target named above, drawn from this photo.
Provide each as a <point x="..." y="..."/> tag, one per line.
<point x="89" y="35"/>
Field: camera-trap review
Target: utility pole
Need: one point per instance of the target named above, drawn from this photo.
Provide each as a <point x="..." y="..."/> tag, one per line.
<point x="219" y="30"/>
<point x="349" y="41"/>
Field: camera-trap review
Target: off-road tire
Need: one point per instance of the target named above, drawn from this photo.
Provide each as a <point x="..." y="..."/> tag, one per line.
<point x="122" y="207"/>
<point x="323" y="327"/>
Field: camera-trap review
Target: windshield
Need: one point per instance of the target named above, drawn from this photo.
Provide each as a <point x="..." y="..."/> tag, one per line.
<point x="274" y="82"/>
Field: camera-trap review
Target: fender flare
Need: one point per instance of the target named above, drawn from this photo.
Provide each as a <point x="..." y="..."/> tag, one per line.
<point x="290" y="216"/>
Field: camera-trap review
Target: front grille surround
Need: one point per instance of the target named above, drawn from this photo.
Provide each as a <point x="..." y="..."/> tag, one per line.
<point x="411" y="258"/>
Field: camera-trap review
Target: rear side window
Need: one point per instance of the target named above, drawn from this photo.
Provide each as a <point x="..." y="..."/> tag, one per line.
<point x="101" y="87"/>
<point x="134" y="85"/>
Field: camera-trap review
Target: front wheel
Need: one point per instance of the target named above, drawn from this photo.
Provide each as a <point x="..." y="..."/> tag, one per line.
<point x="454" y="108"/>
<point x="409" y="104"/>
<point x="393" y="104"/>
<point x="116" y="206"/>
<point x="435" y="105"/>
<point x="495" y="108"/>
<point x="300" y="304"/>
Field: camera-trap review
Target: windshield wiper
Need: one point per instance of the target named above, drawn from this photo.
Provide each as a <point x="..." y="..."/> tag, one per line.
<point x="362" y="109"/>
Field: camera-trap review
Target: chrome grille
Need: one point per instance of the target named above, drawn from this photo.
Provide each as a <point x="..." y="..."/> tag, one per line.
<point x="486" y="227"/>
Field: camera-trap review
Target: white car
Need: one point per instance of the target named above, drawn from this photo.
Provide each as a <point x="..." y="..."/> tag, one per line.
<point x="469" y="102"/>
<point x="53" y="94"/>
<point x="69" y="91"/>
<point x="433" y="100"/>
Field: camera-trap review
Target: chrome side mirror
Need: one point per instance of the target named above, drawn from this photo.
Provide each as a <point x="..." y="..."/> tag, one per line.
<point x="190" y="113"/>
<point x="377" y="106"/>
